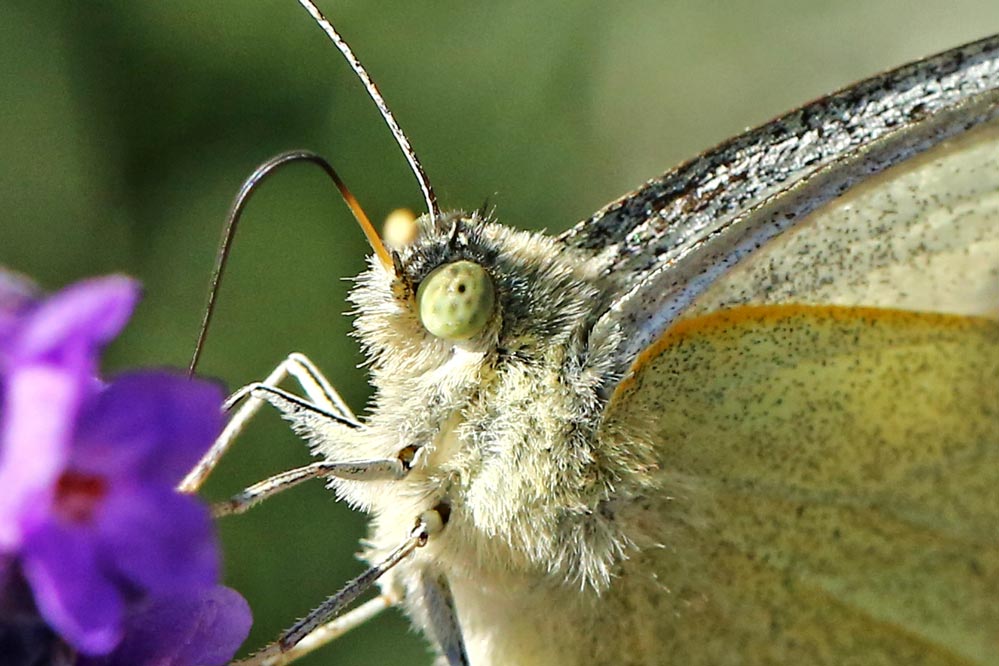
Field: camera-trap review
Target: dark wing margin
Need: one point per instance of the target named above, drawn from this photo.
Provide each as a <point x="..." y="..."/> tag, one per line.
<point x="669" y="241"/>
<point x="655" y="222"/>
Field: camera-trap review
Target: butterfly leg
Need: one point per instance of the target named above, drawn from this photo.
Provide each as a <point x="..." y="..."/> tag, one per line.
<point x="427" y="525"/>
<point x="307" y="414"/>
<point x="330" y="631"/>
<point x="434" y="596"/>
<point x="315" y="386"/>
<point x="379" y="469"/>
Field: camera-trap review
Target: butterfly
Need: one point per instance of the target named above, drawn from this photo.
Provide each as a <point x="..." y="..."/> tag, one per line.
<point x="747" y="414"/>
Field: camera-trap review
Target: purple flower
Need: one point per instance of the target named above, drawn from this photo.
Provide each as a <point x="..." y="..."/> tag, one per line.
<point x="89" y="508"/>
<point x="202" y="628"/>
<point x="48" y="362"/>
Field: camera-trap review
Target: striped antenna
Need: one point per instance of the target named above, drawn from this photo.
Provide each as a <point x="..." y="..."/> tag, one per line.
<point x="369" y="85"/>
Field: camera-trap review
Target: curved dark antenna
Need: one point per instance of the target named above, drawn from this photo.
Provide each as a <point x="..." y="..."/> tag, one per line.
<point x="369" y="85"/>
<point x="236" y="211"/>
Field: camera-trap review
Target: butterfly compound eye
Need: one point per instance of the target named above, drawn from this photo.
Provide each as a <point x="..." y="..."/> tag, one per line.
<point x="456" y="300"/>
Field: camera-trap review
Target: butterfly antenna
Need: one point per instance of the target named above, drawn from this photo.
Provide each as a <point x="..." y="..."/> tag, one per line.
<point x="369" y="85"/>
<point x="250" y="186"/>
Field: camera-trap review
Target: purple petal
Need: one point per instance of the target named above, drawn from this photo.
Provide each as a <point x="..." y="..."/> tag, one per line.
<point x="149" y="426"/>
<point x="36" y="426"/>
<point x="91" y="312"/>
<point x="159" y="539"/>
<point x="202" y="629"/>
<point x="72" y="594"/>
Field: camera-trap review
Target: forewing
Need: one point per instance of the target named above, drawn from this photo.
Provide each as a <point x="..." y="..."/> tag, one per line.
<point x="674" y="239"/>
<point x="921" y="236"/>
<point x="811" y="315"/>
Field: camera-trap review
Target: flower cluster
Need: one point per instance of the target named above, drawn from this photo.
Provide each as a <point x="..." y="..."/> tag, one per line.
<point x="102" y="561"/>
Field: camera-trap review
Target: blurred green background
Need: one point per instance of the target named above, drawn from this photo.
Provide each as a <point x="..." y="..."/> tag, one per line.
<point x="126" y="127"/>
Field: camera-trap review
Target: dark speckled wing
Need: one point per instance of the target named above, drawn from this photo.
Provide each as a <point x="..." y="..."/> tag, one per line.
<point x="811" y="314"/>
<point x="680" y="235"/>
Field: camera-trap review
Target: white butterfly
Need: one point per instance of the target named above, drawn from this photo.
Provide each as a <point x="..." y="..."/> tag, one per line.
<point x="747" y="414"/>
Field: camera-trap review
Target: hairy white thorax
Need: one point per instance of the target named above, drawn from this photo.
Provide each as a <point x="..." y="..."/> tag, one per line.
<point x="545" y="499"/>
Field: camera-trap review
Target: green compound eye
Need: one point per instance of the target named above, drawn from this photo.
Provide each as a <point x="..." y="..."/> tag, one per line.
<point x="456" y="300"/>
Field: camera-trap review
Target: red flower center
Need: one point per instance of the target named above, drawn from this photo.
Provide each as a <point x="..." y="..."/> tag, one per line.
<point x="78" y="495"/>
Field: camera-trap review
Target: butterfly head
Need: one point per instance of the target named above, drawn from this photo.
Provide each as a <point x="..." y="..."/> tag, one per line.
<point x="486" y="355"/>
<point x="464" y="285"/>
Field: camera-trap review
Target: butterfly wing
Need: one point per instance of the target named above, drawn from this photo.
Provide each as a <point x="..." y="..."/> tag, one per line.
<point x="672" y="239"/>
<point x="834" y="475"/>
<point x="819" y="368"/>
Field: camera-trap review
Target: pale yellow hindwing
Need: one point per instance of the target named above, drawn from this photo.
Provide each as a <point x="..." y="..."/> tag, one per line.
<point x="840" y="493"/>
